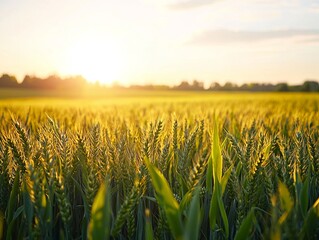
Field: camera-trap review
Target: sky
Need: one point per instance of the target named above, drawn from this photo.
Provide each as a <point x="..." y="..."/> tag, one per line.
<point x="162" y="41"/>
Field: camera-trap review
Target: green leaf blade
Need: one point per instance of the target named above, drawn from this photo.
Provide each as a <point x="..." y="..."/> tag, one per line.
<point x="166" y="200"/>
<point x="99" y="226"/>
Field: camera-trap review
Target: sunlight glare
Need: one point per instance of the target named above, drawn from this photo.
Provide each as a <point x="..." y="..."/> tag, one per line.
<point x="96" y="60"/>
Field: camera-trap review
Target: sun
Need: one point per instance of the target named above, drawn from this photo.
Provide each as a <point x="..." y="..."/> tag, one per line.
<point x="96" y="60"/>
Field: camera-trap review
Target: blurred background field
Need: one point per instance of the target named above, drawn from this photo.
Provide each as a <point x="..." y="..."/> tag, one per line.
<point x="58" y="149"/>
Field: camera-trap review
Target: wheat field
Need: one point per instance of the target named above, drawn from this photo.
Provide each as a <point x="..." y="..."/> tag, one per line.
<point x="163" y="166"/>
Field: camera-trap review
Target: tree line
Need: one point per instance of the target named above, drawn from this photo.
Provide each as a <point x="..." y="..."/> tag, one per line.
<point x="54" y="82"/>
<point x="51" y="82"/>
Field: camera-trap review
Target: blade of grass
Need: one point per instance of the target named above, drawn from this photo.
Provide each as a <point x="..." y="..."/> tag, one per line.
<point x="217" y="204"/>
<point x="304" y="197"/>
<point x="209" y="176"/>
<point x="225" y="178"/>
<point x="311" y="222"/>
<point x="148" y="226"/>
<point x="166" y="200"/>
<point x="246" y="226"/>
<point x="193" y="221"/>
<point x="12" y="204"/>
<point x="286" y="201"/>
<point x="99" y="226"/>
<point x="217" y="156"/>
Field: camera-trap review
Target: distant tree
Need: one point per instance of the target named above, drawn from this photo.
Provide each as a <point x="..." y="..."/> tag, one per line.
<point x="7" y="81"/>
<point x="78" y="83"/>
<point x="282" y="87"/>
<point x="256" y="87"/>
<point x="215" y="86"/>
<point x="245" y="87"/>
<point x="230" y="86"/>
<point x="31" y="82"/>
<point x="197" y="85"/>
<point x="269" y="87"/>
<point x="75" y="82"/>
<point x="310" y="86"/>
<point x="184" y="85"/>
<point x="53" y="82"/>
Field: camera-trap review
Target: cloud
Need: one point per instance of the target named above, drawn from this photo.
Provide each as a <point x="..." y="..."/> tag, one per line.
<point x="311" y="40"/>
<point x="228" y="36"/>
<point x="314" y="9"/>
<point x="190" y="4"/>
